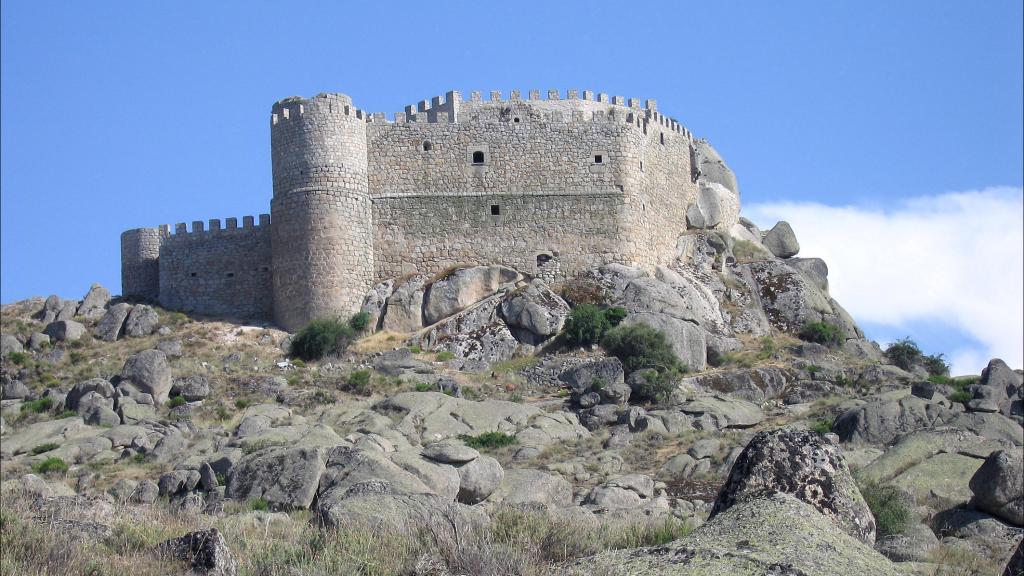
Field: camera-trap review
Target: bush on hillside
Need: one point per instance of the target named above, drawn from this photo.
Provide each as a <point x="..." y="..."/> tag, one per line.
<point x="642" y="347"/>
<point x="822" y="333"/>
<point x="359" y="321"/>
<point x="322" y="337"/>
<point x="588" y="323"/>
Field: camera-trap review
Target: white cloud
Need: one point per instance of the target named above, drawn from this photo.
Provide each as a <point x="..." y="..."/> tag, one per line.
<point x="955" y="258"/>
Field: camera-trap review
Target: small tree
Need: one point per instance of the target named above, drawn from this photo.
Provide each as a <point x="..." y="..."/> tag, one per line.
<point x="904" y="353"/>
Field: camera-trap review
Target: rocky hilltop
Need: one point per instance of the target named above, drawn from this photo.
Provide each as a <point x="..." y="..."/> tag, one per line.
<point x="721" y="415"/>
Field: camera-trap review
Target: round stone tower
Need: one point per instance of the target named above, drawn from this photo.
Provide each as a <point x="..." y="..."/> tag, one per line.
<point x="322" y="229"/>
<point x="140" y="262"/>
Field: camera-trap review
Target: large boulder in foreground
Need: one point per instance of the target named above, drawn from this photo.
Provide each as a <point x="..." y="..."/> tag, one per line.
<point x="802" y="463"/>
<point x="998" y="486"/>
<point x="773" y="534"/>
<point x="205" y="550"/>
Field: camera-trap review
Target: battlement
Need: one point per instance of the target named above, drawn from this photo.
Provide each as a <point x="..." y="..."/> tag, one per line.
<point x="213" y="226"/>
<point x="323" y="103"/>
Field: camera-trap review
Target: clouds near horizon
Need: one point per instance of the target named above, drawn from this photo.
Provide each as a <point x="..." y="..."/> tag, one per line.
<point x="954" y="260"/>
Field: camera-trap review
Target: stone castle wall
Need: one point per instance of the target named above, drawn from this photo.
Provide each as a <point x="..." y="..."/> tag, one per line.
<point x="218" y="271"/>
<point x="548" y="186"/>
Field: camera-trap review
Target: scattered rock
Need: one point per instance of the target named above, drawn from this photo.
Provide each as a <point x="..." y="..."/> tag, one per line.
<point x="287" y="478"/>
<point x="94" y="303"/>
<point x="150" y="372"/>
<point x="450" y="452"/>
<point x="9" y="343"/>
<point x="65" y="330"/>
<point x="478" y="479"/>
<point x="142" y="321"/>
<point x="206" y="551"/>
<point x="192" y="388"/>
<point x="111" y="326"/>
<point x="998" y="486"/>
<point x="781" y="240"/>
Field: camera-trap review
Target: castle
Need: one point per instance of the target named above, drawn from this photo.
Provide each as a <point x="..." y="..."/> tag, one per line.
<point x="550" y="187"/>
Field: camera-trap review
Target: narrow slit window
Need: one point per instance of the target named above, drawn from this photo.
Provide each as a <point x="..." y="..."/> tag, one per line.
<point x="194" y="274"/>
<point x="598" y="159"/>
<point x="662" y="138"/>
<point x="478" y="157"/>
<point x="495" y="210"/>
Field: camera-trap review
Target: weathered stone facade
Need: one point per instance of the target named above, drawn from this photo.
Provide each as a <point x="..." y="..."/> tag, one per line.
<point x="550" y="187"/>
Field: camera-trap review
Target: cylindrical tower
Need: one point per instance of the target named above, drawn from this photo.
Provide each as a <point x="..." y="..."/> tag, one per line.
<point x="322" y="229"/>
<point x="140" y="262"/>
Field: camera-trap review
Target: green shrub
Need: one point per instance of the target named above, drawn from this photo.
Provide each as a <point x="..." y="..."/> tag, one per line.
<point x="904" y="353"/>
<point x="51" y="465"/>
<point x="358" y="382"/>
<point x="892" y="514"/>
<point x="424" y="387"/>
<point x="19" y="358"/>
<point x="640" y="346"/>
<point x="298" y="363"/>
<point x="260" y="505"/>
<point x="322" y="337"/>
<point x="67" y="414"/>
<point x="359" y="321"/>
<point x="488" y="440"/>
<point x="416" y="349"/>
<point x="961" y="396"/>
<point x="822" y="333"/>
<point x="38" y="406"/>
<point x="813" y="371"/>
<point x="655" y="386"/>
<point x="45" y="447"/>
<point x="444" y="356"/>
<point x="615" y="315"/>
<point x="935" y="364"/>
<point x="176" y="401"/>
<point x="241" y="403"/>
<point x="586" y="325"/>
<point x="822" y="426"/>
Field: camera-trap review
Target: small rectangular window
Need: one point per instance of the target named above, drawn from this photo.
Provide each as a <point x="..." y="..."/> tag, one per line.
<point x="194" y="274"/>
<point x="598" y="159"/>
<point x="478" y="157"/>
<point x="495" y="210"/>
<point x="230" y="274"/>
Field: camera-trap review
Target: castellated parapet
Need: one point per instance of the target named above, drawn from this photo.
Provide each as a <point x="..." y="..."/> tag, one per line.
<point x="550" y="186"/>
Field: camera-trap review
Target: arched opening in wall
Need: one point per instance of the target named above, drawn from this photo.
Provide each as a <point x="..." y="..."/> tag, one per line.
<point x="598" y="159"/>
<point x="543" y="258"/>
<point x="478" y="157"/>
<point x="516" y="119"/>
<point x="427" y="146"/>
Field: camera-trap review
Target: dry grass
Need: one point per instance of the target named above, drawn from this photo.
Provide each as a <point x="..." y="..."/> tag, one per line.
<point x="378" y="342"/>
<point x="75" y="537"/>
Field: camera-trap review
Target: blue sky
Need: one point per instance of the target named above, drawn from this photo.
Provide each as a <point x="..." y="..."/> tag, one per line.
<point x="125" y="114"/>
